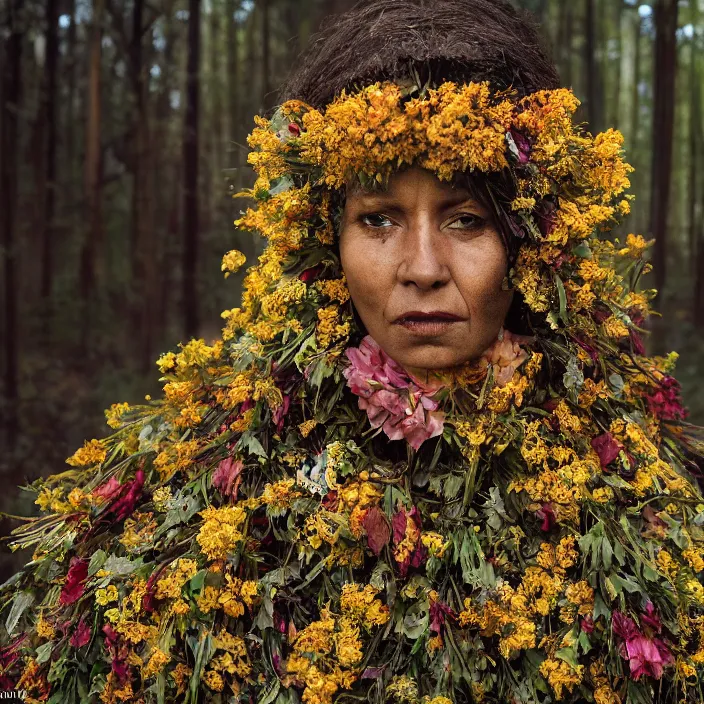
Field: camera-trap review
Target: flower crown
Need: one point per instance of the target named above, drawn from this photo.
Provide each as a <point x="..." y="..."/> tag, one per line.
<point x="567" y="185"/>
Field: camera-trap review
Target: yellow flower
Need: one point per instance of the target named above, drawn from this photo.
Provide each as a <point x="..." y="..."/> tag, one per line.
<point x="307" y="426"/>
<point x="92" y="452"/>
<point x="114" y="414"/>
<point x="232" y="261"/>
<point x="219" y="534"/>
<point x="104" y="596"/>
<point x="156" y="663"/>
<point x="635" y="246"/>
<point x="561" y="675"/>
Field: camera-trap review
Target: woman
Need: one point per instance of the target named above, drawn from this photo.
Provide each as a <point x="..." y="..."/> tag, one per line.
<point x="429" y="460"/>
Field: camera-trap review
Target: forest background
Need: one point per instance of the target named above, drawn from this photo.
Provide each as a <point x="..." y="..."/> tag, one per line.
<point x="123" y="130"/>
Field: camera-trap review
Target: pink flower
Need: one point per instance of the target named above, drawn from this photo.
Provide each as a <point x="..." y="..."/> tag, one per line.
<point x="506" y="355"/>
<point x="109" y="489"/>
<point x="226" y="478"/>
<point x="393" y="400"/>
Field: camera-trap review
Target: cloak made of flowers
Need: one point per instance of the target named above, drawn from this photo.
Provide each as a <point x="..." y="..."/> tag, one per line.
<point x="255" y="534"/>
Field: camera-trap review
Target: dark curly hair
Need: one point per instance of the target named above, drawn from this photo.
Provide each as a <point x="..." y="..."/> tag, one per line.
<point x="440" y="40"/>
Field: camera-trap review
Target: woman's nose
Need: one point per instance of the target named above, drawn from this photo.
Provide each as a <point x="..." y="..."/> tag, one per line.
<point x="422" y="257"/>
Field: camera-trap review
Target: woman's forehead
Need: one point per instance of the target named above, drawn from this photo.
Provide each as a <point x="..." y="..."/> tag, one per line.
<point x="413" y="177"/>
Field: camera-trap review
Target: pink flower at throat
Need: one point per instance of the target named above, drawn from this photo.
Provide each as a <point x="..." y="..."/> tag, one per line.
<point x="400" y="405"/>
<point x="406" y="407"/>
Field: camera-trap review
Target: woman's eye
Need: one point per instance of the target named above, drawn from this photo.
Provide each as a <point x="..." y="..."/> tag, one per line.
<point x="467" y="221"/>
<point x="375" y="220"/>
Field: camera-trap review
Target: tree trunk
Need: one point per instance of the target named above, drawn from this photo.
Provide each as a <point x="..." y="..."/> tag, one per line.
<point x="664" y="70"/>
<point x="696" y="201"/>
<point x="267" y="93"/>
<point x="72" y="62"/>
<point x="50" y="72"/>
<point x="190" y="165"/>
<point x="614" y="117"/>
<point x="11" y="95"/>
<point x="166" y="162"/>
<point x="143" y="254"/>
<point x="593" y="69"/>
<point x="233" y="71"/>
<point x="92" y="243"/>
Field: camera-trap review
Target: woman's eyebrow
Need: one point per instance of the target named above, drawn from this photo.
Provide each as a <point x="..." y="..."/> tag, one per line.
<point x="382" y="198"/>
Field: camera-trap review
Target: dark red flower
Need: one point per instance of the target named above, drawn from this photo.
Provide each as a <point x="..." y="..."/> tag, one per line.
<point x="74" y="586"/>
<point x="589" y="349"/>
<point x="607" y="447"/>
<point x="438" y="611"/>
<point x="280" y="413"/>
<point x="311" y="274"/>
<point x="399" y="524"/>
<point x="378" y="530"/>
<point x="587" y="624"/>
<point x="8" y="657"/>
<point x="294" y="129"/>
<point x="118" y="652"/>
<point x="150" y="589"/>
<point x="636" y="339"/>
<point x="279" y="622"/>
<point x="124" y="506"/>
<point x="547" y="514"/>
<point x="81" y="636"/>
<point x="330" y="501"/>
<point x="545" y="213"/>
<point x="650" y="618"/>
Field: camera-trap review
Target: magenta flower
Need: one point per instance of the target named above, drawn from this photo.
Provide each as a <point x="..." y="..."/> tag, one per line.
<point x="645" y="655"/>
<point x="665" y="403"/>
<point x="393" y="400"/>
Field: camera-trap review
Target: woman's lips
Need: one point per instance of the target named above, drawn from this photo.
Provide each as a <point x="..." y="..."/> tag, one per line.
<point x="427" y="326"/>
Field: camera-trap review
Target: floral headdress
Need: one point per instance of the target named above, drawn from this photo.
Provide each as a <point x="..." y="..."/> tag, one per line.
<point x="255" y="535"/>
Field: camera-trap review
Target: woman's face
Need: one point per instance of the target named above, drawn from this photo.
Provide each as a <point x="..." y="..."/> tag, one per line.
<point x="424" y="246"/>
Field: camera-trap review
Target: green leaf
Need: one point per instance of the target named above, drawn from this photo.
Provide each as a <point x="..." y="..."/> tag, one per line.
<point x="44" y="652"/>
<point x="573" y="378"/>
<point x="121" y="566"/>
<point x="265" y="615"/>
<point x="96" y="562"/>
<point x="583" y="250"/>
<point x="21" y="602"/>
<point x="270" y="693"/>
<point x="569" y="656"/>
<point x="251" y="443"/>
<point x="452" y="485"/>
<point x="562" y="296"/>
